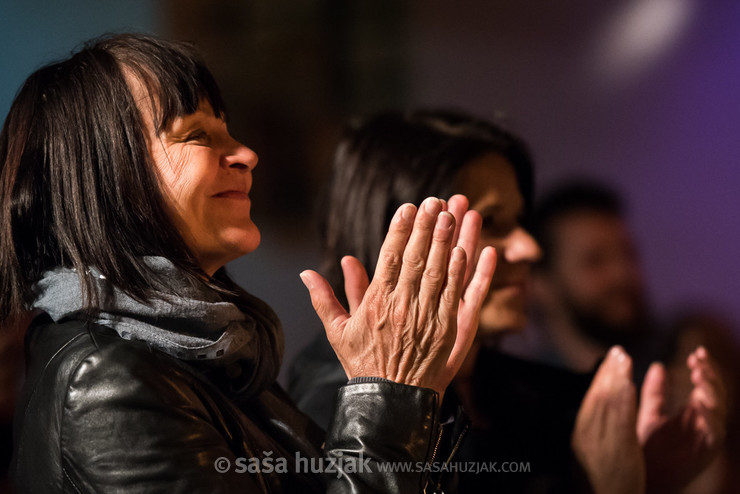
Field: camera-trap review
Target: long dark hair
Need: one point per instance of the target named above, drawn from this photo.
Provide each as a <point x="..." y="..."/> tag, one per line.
<point x="393" y="158"/>
<point x="77" y="184"/>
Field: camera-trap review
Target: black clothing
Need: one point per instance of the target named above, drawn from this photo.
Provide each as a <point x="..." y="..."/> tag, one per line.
<point x="102" y="414"/>
<point x="530" y="409"/>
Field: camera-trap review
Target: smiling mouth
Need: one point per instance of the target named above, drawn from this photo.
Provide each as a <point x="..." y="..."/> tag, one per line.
<point x="232" y="194"/>
<point x="513" y="286"/>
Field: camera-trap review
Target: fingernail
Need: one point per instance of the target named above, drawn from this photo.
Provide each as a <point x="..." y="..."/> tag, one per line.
<point x="306" y="280"/>
<point x="445" y="220"/>
<point x="458" y="253"/>
<point x="432" y="205"/>
<point x="407" y="211"/>
<point x="701" y="352"/>
<point x="617" y="353"/>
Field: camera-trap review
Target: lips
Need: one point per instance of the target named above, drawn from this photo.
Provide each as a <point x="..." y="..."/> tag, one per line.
<point x="232" y="194"/>
<point x="513" y="284"/>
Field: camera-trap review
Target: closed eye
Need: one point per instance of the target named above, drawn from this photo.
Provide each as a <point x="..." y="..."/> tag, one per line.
<point x="197" y="135"/>
<point x="496" y="225"/>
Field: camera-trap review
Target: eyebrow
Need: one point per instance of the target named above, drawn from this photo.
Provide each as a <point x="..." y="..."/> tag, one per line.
<point x="495" y="209"/>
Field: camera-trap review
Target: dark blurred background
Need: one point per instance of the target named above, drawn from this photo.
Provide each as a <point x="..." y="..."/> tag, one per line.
<point x="641" y="94"/>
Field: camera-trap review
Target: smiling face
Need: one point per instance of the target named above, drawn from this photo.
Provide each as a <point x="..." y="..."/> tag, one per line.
<point x="491" y="185"/>
<point x="206" y="176"/>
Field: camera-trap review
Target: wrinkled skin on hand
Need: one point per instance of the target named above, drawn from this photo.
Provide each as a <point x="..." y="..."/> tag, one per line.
<point x="415" y="322"/>
<point x="605" y="439"/>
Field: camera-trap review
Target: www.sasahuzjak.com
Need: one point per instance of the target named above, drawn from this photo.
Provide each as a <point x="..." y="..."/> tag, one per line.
<point x="339" y="464"/>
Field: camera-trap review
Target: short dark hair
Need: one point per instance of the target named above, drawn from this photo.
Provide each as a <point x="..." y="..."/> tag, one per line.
<point x="393" y="158"/>
<point x="570" y="197"/>
<point x="78" y="185"/>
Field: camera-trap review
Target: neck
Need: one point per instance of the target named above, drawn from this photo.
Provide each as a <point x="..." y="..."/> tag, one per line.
<point x="463" y="385"/>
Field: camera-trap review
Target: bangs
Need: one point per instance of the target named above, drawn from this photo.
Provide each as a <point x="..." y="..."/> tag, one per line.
<point x="172" y="73"/>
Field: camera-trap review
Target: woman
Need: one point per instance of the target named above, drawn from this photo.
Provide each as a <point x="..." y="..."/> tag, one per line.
<point x="392" y="158"/>
<point x="523" y="413"/>
<point x="148" y="370"/>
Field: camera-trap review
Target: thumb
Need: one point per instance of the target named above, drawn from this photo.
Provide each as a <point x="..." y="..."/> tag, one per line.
<point x="652" y="401"/>
<point x="324" y="302"/>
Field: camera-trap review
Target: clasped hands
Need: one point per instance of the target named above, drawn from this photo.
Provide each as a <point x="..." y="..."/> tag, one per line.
<point x="415" y="322"/>
<point x="631" y="450"/>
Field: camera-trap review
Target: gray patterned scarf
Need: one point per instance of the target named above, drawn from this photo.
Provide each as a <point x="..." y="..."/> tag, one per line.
<point x="242" y="338"/>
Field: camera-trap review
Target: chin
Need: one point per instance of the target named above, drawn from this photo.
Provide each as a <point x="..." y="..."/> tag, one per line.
<point x="502" y="313"/>
<point x="500" y="321"/>
<point x="243" y="241"/>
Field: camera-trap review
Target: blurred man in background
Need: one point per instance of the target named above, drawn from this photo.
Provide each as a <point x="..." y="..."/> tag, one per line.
<point x="588" y="292"/>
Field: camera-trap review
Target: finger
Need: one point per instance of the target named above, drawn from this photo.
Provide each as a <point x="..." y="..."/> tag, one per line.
<point x="709" y="388"/>
<point x="467" y="318"/>
<point x="355" y="281"/>
<point x="614" y="373"/>
<point x="450" y="301"/>
<point x="436" y="267"/>
<point x="611" y="391"/>
<point x="457" y="205"/>
<point x="324" y="302"/>
<point x="704" y="397"/>
<point x="706" y="409"/>
<point x="391" y="252"/>
<point x="652" y="400"/>
<point x="709" y="423"/>
<point x="477" y="288"/>
<point x="469" y="239"/>
<point x="706" y="377"/>
<point x="417" y="249"/>
<point x="699" y="360"/>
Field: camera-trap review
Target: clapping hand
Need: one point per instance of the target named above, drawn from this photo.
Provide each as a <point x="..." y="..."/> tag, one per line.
<point x="679" y="447"/>
<point x="415" y="322"/>
<point x="628" y="450"/>
<point x="604" y="439"/>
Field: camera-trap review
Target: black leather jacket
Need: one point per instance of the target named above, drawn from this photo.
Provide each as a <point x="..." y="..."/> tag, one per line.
<point x="103" y="414"/>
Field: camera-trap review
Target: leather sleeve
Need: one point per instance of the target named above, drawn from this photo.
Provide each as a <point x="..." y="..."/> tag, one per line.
<point x="126" y="427"/>
<point x="377" y="426"/>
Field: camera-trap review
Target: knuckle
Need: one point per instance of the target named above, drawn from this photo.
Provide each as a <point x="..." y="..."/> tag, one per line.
<point x="319" y="307"/>
<point x="413" y="262"/>
<point x="391" y="259"/>
<point x="433" y="274"/>
<point x="441" y="235"/>
<point x="450" y="299"/>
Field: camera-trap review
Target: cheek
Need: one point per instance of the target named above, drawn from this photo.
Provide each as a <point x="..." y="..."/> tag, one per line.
<point x="489" y="241"/>
<point x="181" y="179"/>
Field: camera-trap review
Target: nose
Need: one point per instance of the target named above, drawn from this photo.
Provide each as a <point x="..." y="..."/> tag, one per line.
<point x="521" y="247"/>
<point x="239" y="156"/>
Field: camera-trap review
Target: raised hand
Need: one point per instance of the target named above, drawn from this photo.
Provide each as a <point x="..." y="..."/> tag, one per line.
<point x="403" y="326"/>
<point x="604" y="439"/>
<point x="679" y="447"/>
